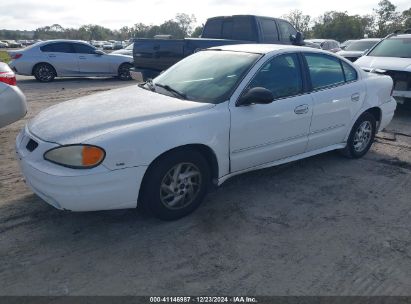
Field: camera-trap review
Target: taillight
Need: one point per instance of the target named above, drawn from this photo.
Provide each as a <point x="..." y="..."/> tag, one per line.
<point x="8" y="77"/>
<point x="16" y="56"/>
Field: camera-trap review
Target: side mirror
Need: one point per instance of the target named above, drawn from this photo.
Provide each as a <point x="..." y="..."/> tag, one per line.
<point x="99" y="52"/>
<point x="297" y="39"/>
<point x="255" y="95"/>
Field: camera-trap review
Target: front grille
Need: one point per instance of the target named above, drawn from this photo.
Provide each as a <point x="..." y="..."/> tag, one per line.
<point x="31" y="145"/>
<point x="402" y="80"/>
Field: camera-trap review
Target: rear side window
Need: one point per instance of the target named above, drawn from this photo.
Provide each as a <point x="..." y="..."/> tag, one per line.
<point x="325" y="71"/>
<point x="244" y="28"/>
<point x="286" y="30"/>
<point x="213" y="29"/>
<point x="60" y="47"/>
<point x="269" y="29"/>
<point x="227" y="32"/>
<point x="349" y="72"/>
<point x="83" y="48"/>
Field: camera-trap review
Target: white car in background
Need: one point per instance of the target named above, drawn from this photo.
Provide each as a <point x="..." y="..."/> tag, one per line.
<point x="13" y="104"/>
<point x="215" y="114"/>
<point x="358" y="48"/>
<point x="67" y="58"/>
<point x="392" y="57"/>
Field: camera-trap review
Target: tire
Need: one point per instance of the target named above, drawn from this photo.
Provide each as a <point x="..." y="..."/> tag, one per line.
<point x="44" y="72"/>
<point x="124" y="71"/>
<point x="170" y="198"/>
<point x="361" y="136"/>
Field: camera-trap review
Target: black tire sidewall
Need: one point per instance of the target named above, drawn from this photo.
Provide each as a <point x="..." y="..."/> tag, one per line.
<point x="350" y="143"/>
<point x="129" y="65"/>
<point x="151" y="185"/>
<point x="36" y="69"/>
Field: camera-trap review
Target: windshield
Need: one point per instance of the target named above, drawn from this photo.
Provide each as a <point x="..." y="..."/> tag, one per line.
<point x="361" y="45"/>
<point x="207" y="76"/>
<point x="393" y="47"/>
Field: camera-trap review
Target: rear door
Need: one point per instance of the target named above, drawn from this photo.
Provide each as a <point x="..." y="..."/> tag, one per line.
<point x="62" y="57"/>
<point x="337" y="96"/>
<point x="89" y="62"/>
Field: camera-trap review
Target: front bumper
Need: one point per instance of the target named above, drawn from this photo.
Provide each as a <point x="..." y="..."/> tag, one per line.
<point x="77" y="190"/>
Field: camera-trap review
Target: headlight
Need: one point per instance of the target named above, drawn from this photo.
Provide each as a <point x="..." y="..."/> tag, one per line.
<point x="76" y="156"/>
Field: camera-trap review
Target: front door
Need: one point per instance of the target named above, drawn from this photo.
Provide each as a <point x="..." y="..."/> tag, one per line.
<point x="262" y="134"/>
<point x="91" y="63"/>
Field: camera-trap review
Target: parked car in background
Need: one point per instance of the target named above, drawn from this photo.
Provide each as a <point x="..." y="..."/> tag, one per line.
<point x="13" y="104"/>
<point x="13" y="44"/>
<point x="151" y="56"/>
<point x="346" y="43"/>
<point x="68" y="58"/>
<point x="392" y="56"/>
<point x="215" y="114"/>
<point x="3" y="45"/>
<point x="326" y="44"/>
<point x="117" y="45"/>
<point x="126" y="51"/>
<point x="107" y="45"/>
<point x="358" y="48"/>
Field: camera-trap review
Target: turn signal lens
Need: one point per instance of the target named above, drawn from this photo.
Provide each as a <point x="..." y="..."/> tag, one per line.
<point x="92" y="155"/>
<point x="76" y="156"/>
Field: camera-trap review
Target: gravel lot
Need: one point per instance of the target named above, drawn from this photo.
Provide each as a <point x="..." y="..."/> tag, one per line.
<point x="321" y="226"/>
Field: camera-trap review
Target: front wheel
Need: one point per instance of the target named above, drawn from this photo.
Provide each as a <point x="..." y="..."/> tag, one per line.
<point x="361" y="136"/>
<point x="176" y="184"/>
<point x="124" y="71"/>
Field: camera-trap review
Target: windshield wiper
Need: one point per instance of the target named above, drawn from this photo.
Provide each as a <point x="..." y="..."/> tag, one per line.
<point x="150" y="84"/>
<point x="170" y="89"/>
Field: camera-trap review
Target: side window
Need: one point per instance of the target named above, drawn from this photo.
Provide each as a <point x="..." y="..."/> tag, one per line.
<point x="213" y="29"/>
<point x="325" y="71"/>
<point x="281" y="75"/>
<point x="227" y="32"/>
<point x="60" y="47"/>
<point x="349" y="71"/>
<point x="244" y="28"/>
<point x="269" y="29"/>
<point x="83" y="48"/>
<point x="286" y="30"/>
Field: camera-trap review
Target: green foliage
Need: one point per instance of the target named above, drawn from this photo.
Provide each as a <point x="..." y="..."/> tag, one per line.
<point x="300" y="21"/>
<point x="197" y="31"/>
<point x="4" y="57"/>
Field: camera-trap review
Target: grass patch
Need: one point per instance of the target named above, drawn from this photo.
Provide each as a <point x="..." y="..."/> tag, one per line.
<point x="4" y="57"/>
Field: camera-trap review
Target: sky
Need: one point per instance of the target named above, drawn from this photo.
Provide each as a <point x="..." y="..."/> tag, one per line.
<point x="31" y="14"/>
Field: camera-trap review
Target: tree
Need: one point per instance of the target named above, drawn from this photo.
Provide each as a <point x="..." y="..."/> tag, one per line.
<point x="300" y="21"/>
<point x="387" y="18"/>
<point x="406" y="16"/>
<point x="197" y="31"/>
<point x="186" y="22"/>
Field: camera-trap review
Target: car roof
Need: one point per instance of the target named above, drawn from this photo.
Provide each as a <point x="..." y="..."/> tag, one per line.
<point x="401" y="36"/>
<point x="266" y="48"/>
<point x="61" y="40"/>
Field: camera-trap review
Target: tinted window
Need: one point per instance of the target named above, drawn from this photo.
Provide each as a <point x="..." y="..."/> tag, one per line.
<point x="269" y="29"/>
<point x="227" y="32"/>
<point x="361" y="45"/>
<point x="349" y="71"/>
<point x="83" y="48"/>
<point x="286" y="30"/>
<point x="281" y="75"/>
<point x="244" y="29"/>
<point x="60" y="47"/>
<point x="324" y="70"/>
<point x="213" y="29"/>
<point x="393" y="47"/>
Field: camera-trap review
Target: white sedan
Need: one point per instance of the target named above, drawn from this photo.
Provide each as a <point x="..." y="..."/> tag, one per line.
<point x="13" y="104"/>
<point x="213" y="115"/>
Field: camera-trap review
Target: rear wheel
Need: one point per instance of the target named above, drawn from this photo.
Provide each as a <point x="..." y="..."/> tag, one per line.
<point x="124" y="71"/>
<point x="361" y="136"/>
<point x="44" y="72"/>
<point x="176" y="184"/>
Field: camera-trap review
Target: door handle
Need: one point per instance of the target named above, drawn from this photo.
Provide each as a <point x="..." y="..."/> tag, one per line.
<point x="302" y="109"/>
<point x="81" y="57"/>
<point x="355" y="97"/>
<point x="52" y="56"/>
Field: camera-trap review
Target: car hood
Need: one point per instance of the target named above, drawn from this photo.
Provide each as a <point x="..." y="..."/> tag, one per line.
<point x="123" y="52"/>
<point x="84" y="118"/>
<point x="350" y="53"/>
<point x="384" y="63"/>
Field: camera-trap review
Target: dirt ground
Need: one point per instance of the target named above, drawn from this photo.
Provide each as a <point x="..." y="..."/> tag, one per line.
<point x="321" y="226"/>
